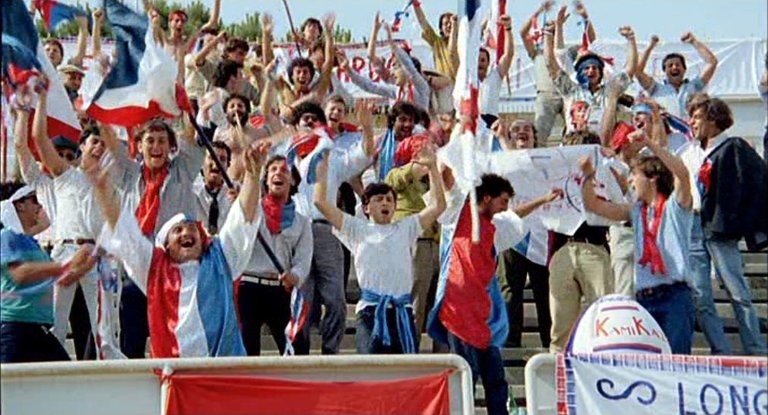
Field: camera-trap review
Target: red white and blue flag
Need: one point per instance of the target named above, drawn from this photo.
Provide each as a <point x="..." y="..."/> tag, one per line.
<point x="465" y="93"/>
<point x="54" y="13"/>
<point x="143" y="82"/>
<point x="309" y="148"/>
<point x="24" y="57"/>
<point x="299" y="312"/>
<point x="398" y="21"/>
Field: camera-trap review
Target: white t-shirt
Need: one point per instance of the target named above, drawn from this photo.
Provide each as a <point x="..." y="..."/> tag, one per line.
<point x="77" y="214"/>
<point x="490" y="89"/>
<point x="382" y="253"/>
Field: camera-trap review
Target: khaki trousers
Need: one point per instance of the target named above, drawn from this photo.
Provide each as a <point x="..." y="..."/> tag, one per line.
<point x="577" y="270"/>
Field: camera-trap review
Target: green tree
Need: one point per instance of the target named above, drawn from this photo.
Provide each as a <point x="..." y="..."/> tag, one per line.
<point x="248" y="29"/>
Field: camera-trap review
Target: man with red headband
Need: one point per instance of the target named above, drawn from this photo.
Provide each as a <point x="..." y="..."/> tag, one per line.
<point x="177" y="20"/>
<point x="661" y="220"/>
<point x="186" y="275"/>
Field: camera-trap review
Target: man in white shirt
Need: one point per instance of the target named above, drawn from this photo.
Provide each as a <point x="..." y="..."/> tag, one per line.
<point x="673" y="93"/>
<point x="378" y="246"/>
<point x="264" y="290"/>
<point x="213" y="202"/>
<point x="325" y="283"/>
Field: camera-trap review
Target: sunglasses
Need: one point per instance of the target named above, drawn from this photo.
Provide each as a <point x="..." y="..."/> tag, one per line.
<point x="67" y="155"/>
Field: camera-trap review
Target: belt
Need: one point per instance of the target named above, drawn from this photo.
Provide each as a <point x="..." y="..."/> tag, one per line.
<point x="78" y="241"/>
<point x="261" y="280"/>
<point x="580" y="239"/>
<point x="659" y="290"/>
<point x="323" y="221"/>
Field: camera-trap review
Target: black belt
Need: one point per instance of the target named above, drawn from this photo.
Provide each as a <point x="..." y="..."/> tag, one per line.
<point x="659" y="290"/>
<point x="78" y="241"/>
<point x="323" y="221"/>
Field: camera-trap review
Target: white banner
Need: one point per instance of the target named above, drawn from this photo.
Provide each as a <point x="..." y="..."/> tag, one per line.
<point x="640" y="384"/>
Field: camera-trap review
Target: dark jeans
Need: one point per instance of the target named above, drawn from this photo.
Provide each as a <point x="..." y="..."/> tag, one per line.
<point x="367" y="345"/>
<point x="488" y="366"/>
<point x="85" y="347"/>
<point x="29" y="342"/>
<point x="134" y="328"/>
<point x="671" y="305"/>
<point x="262" y="304"/>
<point x="517" y="268"/>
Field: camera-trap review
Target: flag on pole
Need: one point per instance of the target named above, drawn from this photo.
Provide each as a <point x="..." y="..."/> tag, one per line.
<point x="498" y="9"/>
<point x="310" y="148"/>
<point x="398" y="21"/>
<point x="299" y="312"/>
<point x="142" y="84"/>
<point x="54" y="13"/>
<point x="24" y="57"/>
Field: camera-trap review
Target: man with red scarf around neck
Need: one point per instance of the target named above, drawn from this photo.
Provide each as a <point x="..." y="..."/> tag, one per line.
<point x="661" y="220"/>
<point x="156" y="188"/>
<point x="264" y="292"/>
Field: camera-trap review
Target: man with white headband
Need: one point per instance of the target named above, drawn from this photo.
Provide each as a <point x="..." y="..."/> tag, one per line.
<point x="26" y="272"/>
<point x="187" y="276"/>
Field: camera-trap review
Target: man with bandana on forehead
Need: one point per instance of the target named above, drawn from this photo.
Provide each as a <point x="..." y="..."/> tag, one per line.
<point x="592" y="87"/>
<point x="187" y="276"/>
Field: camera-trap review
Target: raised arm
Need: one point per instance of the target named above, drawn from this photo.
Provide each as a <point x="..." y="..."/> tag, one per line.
<point x="674" y="164"/>
<point x="428" y="33"/>
<point x="581" y="10"/>
<point x="562" y="16"/>
<point x="631" y="65"/>
<point x="384" y="90"/>
<point x="525" y="209"/>
<point x="208" y="48"/>
<point x="251" y="190"/>
<point x="530" y="48"/>
<point x="437" y="204"/>
<point x="613" y="211"/>
<point x="30" y="173"/>
<point x="334" y="215"/>
<point x="374" y="35"/>
<point x="453" y="45"/>
<point x="326" y="71"/>
<point x="509" y="46"/>
<point x="549" y="51"/>
<point x="364" y="112"/>
<point x="98" y="20"/>
<point x="82" y="41"/>
<point x="48" y="154"/>
<point x="658" y="131"/>
<point x="267" y="26"/>
<point x="705" y="53"/>
<point x="645" y="80"/>
<point x="608" y="121"/>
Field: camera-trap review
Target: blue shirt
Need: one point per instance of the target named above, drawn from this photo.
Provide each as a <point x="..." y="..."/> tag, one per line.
<point x="35" y="307"/>
<point x="674" y="101"/>
<point x="673" y="239"/>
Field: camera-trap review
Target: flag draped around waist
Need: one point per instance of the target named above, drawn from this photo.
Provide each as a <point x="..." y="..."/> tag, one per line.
<point x="380" y="326"/>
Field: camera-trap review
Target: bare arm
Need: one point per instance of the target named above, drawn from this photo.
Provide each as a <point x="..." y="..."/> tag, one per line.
<point x="608" y="122"/>
<point x="453" y="44"/>
<point x="631" y="65"/>
<point x="437" y="204"/>
<point x="581" y="10"/>
<point x="325" y="73"/>
<point x="509" y="47"/>
<point x="48" y="154"/>
<point x="98" y="19"/>
<point x="29" y="272"/>
<point x="423" y="22"/>
<point x="675" y="165"/>
<point x="549" y="51"/>
<point x="82" y="41"/>
<point x="29" y="170"/>
<point x="334" y="215"/>
<point x="364" y="113"/>
<point x="562" y="16"/>
<point x="208" y="48"/>
<point x="251" y="190"/>
<point x="705" y="53"/>
<point x="643" y="78"/>
<point x="267" y="54"/>
<point x="525" y="209"/>
<point x="530" y="48"/>
<point x="374" y="35"/>
<point x="610" y="210"/>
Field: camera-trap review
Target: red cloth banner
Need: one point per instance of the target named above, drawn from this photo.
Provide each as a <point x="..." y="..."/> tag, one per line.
<point x="204" y="394"/>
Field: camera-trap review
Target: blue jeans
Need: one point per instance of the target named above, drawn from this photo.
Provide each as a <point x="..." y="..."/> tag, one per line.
<point x="134" y="327"/>
<point x="671" y="305"/>
<point x="367" y="345"/>
<point x="724" y="254"/>
<point x="488" y="365"/>
<point x="29" y="342"/>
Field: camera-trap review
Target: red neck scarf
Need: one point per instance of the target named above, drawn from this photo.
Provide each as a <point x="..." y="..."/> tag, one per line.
<point x="277" y="215"/>
<point x="149" y="205"/>
<point x="651" y="252"/>
<point x="406" y="90"/>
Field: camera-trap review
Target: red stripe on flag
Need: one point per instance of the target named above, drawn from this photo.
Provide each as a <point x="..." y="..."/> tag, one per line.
<point x="127" y="116"/>
<point x="192" y="394"/>
<point x="163" y="289"/>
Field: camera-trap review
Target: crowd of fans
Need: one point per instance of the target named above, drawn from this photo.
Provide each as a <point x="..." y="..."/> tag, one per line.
<point x="151" y="240"/>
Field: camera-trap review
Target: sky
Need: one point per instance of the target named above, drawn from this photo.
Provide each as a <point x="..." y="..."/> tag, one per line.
<point x="707" y="19"/>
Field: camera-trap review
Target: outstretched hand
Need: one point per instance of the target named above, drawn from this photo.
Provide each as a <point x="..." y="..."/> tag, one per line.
<point x="255" y="157"/>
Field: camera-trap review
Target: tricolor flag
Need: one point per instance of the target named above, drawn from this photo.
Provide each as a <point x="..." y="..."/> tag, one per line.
<point x="142" y="84"/>
<point x="498" y="9"/>
<point x="310" y="148"/>
<point x="54" y="13"/>
<point x="398" y="21"/>
<point x="299" y="312"/>
<point x="465" y="93"/>
<point x="24" y="56"/>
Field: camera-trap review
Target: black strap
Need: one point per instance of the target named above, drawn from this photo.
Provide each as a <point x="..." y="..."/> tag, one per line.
<point x="269" y="252"/>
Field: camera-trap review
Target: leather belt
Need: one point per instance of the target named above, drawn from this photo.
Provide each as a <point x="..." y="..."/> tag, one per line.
<point x="323" y="221"/>
<point x="78" y="241"/>
<point x="261" y="280"/>
<point x="653" y="292"/>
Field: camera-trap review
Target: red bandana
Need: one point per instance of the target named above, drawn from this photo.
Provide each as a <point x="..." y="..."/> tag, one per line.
<point x="704" y="175"/>
<point x="149" y="205"/>
<point x="277" y="215"/>
<point x="651" y="252"/>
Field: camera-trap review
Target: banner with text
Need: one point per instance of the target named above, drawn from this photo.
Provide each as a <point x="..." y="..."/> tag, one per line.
<point x="639" y="384"/>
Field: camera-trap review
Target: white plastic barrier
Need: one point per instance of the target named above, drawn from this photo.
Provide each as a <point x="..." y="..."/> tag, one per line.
<point x="540" y="385"/>
<point x="128" y="387"/>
